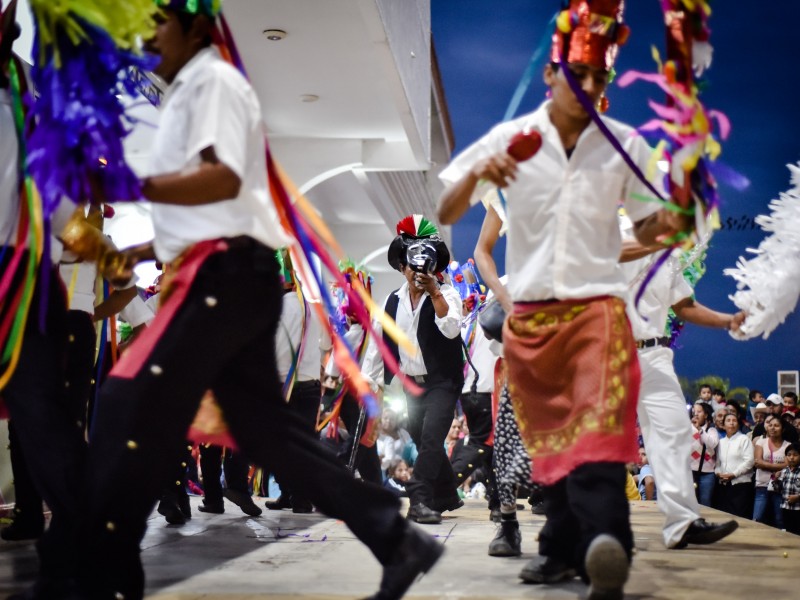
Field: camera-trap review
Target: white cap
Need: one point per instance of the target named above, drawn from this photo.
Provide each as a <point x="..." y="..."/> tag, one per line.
<point x="775" y="399"/>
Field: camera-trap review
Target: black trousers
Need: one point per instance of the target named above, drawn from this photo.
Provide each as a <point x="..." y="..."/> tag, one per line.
<point x="367" y="462"/>
<point x="304" y="402"/>
<point x="735" y="499"/>
<point x="77" y="373"/>
<point x="476" y="453"/>
<point x="212" y="463"/>
<point x="586" y="503"/>
<point x="220" y="337"/>
<point x="45" y="429"/>
<point x="429" y="418"/>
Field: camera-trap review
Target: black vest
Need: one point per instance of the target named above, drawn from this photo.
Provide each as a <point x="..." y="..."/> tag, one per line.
<point x="444" y="359"/>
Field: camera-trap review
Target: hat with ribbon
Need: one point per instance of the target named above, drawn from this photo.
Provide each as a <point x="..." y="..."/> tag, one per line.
<point x="589" y="32"/>
<point x="209" y="8"/>
<point x="419" y="236"/>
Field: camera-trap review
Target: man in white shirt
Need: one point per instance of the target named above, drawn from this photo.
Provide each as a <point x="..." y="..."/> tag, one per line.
<point x="430" y="316"/>
<point x="665" y="427"/>
<point x="216" y="225"/>
<point x="573" y="380"/>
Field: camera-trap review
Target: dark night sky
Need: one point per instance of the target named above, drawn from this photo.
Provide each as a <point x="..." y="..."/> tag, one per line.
<point x="483" y="47"/>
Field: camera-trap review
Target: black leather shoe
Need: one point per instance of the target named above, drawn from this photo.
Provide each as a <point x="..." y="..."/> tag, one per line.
<point x="301" y="506"/>
<point x="168" y="507"/>
<point x="279" y="504"/>
<point x="507" y="541"/>
<point x="423" y="515"/>
<point x="546" y="570"/>
<point x="243" y="501"/>
<point x="210" y="507"/>
<point x="18" y="531"/>
<point x="185" y="506"/>
<point x="416" y="554"/>
<point x="703" y="532"/>
<point x="447" y="505"/>
<point x="607" y="567"/>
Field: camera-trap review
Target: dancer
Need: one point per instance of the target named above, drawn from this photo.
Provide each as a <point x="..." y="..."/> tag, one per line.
<point x="571" y="357"/>
<point x="215" y="224"/>
<point x="665" y="427"/>
<point x="430" y="315"/>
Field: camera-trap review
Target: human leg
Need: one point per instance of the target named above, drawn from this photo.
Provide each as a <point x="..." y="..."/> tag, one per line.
<point x="667" y="438"/>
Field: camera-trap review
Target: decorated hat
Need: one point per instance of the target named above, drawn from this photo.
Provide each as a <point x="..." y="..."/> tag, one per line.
<point x="209" y="8"/>
<point x="412" y="230"/>
<point x="589" y="32"/>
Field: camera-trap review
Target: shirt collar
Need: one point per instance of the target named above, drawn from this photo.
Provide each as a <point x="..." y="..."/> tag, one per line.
<point x="198" y="62"/>
<point x="540" y="119"/>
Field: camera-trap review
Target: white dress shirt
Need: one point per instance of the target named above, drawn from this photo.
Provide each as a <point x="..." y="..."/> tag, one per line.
<point x="289" y="336"/>
<point x="211" y="104"/>
<point x="407" y="320"/>
<point x="668" y="286"/>
<point x="735" y="455"/>
<point x="563" y="237"/>
<point x="484" y="360"/>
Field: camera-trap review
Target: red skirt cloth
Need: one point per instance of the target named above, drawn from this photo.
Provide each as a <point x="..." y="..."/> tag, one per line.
<point x="574" y="381"/>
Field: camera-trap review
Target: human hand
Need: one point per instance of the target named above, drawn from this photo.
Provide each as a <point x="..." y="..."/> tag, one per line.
<point x="500" y="169"/>
<point x="736" y="321"/>
<point x="426" y="282"/>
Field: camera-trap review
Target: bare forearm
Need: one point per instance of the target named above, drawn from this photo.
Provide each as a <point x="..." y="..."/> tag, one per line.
<point x="211" y="183"/>
<point x="455" y="200"/>
<point x="118" y="300"/>
<point x="633" y="250"/>
<point x="693" y="312"/>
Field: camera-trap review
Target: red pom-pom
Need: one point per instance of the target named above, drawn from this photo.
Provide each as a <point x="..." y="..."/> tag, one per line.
<point x="524" y="146"/>
<point x="108" y="211"/>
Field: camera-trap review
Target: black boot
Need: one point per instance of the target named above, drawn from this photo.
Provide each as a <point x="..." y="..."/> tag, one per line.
<point x="508" y="540"/>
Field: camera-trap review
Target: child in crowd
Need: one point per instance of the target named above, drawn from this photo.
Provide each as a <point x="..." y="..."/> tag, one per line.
<point x="790" y="489"/>
<point x="398" y="474"/>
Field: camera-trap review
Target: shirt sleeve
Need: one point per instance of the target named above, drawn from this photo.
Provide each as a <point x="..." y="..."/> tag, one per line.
<point x="136" y="312"/>
<point x="680" y="287"/>
<point x="489" y="144"/>
<point x="372" y="368"/>
<point x="637" y="209"/>
<point x="222" y="119"/>
<point x="450" y="324"/>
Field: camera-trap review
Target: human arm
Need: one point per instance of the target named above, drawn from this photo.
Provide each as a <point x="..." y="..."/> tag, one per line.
<point x="450" y="322"/>
<point x="115" y="302"/>
<point x="634" y="250"/>
<point x="765" y="465"/>
<point x="499" y="169"/>
<point x="490" y="233"/>
<point x="745" y="455"/>
<point x="692" y="311"/>
<point x="372" y="367"/>
<point x="709" y="437"/>
<point x="213" y="182"/>
<point x="657" y="228"/>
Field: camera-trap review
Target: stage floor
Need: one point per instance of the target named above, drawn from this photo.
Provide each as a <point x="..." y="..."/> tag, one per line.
<point x="282" y="555"/>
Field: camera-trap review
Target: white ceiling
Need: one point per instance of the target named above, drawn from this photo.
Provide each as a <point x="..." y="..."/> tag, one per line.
<point x="366" y="153"/>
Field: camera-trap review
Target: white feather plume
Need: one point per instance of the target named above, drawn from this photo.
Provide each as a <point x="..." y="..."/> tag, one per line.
<point x="769" y="284"/>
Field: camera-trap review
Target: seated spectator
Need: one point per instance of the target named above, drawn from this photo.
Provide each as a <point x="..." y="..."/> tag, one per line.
<point x="790" y="490"/>
<point x="735" y="458"/>
<point x="769" y="460"/>
<point x="705" y="440"/>
<point x="393" y="441"/>
<point x="647" y="482"/>
<point x="398" y="474"/>
<point x="454" y="436"/>
<point x="631" y="491"/>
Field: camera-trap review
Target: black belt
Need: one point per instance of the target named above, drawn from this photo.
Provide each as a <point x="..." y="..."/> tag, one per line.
<point x="661" y="341"/>
<point x="308" y="383"/>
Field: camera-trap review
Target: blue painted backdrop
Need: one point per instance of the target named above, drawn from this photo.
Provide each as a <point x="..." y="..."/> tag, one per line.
<point x="484" y="46"/>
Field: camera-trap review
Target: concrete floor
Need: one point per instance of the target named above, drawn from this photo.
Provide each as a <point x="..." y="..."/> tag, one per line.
<point x="281" y="555"/>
